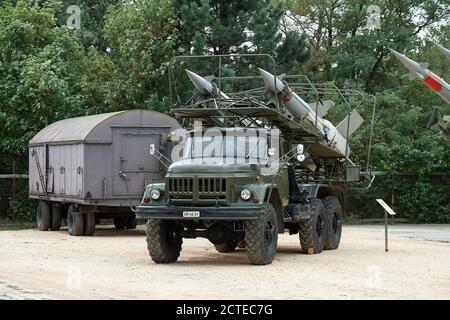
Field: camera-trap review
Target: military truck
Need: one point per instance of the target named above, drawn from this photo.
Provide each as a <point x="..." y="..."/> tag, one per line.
<point x="252" y="168"/>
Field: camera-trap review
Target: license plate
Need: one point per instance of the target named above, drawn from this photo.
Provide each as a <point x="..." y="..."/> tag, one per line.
<point x="191" y="214"/>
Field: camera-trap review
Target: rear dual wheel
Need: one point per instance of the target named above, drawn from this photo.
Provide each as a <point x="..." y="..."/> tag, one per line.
<point x="48" y="216"/>
<point x="312" y="231"/>
<point x="79" y="223"/>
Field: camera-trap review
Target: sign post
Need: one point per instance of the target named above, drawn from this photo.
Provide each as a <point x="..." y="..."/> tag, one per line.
<point x="387" y="210"/>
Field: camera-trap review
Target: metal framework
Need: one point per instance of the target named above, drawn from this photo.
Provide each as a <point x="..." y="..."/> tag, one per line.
<point x="252" y="108"/>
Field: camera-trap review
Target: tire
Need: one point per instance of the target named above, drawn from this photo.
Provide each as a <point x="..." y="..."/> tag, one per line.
<point x="261" y="237"/>
<point x="75" y="221"/>
<point x="120" y="222"/>
<point x="89" y="224"/>
<point x="43" y="215"/>
<point x="225" y="247"/>
<point x="131" y="223"/>
<point x="241" y="244"/>
<point x="56" y="219"/>
<point x="333" y="222"/>
<point x="312" y="231"/>
<point x="164" y="240"/>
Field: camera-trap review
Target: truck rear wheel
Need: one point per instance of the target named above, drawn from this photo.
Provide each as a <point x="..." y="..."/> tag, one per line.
<point x="333" y="222"/>
<point x="131" y="223"/>
<point x="312" y="231"/>
<point x="43" y="215"/>
<point x="261" y="237"/>
<point x="225" y="247"/>
<point x="55" y="223"/>
<point x="164" y="240"/>
<point x="75" y="221"/>
<point x="89" y="224"/>
<point x="120" y="222"/>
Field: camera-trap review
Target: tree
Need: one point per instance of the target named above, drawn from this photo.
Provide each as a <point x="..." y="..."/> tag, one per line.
<point x="41" y="67"/>
<point x="141" y="36"/>
<point x="227" y="27"/>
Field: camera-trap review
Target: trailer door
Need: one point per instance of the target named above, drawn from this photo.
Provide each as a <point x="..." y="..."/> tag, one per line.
<point x="131" y="156"/>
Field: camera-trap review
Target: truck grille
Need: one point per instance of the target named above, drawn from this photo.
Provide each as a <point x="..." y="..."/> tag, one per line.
<point x="198" y="190"/>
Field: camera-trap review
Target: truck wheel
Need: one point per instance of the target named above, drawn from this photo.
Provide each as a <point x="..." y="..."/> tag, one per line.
<point x="225" y="247"/>
<point x="131" y="223"/>
<point x="89" y="224"/>
<point x="261" y="236"/>
<point x="164" y="240"/>
<point x="55" y="223"/>
<point x="333" y="222"/>
<point x="120" y="222"/>
<point x="312" y="231"/>
<point x="43" y="215"/>
<point x="75" y="221"/>
<point x="241" y="244"/>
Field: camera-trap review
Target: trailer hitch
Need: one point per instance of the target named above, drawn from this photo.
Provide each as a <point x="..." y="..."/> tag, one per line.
<point x="123" y="176"/>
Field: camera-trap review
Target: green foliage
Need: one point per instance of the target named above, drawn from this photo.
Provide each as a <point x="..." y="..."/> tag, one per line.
<point x="141" y="36"/>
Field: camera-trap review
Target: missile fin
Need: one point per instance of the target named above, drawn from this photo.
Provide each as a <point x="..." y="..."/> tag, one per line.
<point x="321" y="107"/>
<point x="355" y="122"/>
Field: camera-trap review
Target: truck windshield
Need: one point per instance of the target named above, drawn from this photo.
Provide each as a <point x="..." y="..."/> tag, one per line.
<point x="247" y="148"/>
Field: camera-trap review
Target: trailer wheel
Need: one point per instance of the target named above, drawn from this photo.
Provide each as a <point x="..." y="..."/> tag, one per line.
<point x="43" y="215"/>
<point x="89" y="224"/>
<point x="333" y="222"/>
<point x="55" y="223"/>
<point x="131" y="223"/>
<point x="225" y="247"/>
<point x="261" y="237"/>
<point x="164" y="240"/>
<point x="312" y="231"/>
<point x="75" y="221"/>
<point x="120" y="222"/>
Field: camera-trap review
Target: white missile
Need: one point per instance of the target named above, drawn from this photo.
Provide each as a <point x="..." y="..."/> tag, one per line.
<point x="421" y="72"/>
<point x="300" y="109"/>
<point x="445" y="51"/>
<point x="204" y="86"/>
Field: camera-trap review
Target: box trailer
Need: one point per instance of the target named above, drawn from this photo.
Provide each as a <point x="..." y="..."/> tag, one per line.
<point x="87" y="168"/>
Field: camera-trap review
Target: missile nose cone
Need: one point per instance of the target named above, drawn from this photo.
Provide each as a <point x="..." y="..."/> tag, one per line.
<point x="270" y="80"/>
<point x="445" y="51"/>
<point x="200" y="83"/>
<point x="415" y="69"/>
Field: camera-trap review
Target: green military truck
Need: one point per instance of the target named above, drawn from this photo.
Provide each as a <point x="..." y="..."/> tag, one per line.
<point x="251" y="168"/>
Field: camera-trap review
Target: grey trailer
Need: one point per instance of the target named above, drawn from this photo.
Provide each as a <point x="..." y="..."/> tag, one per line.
<point x="80" y="168"/>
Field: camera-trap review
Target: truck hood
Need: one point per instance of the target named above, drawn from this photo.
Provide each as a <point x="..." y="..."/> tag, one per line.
<point x="211" y="165"/>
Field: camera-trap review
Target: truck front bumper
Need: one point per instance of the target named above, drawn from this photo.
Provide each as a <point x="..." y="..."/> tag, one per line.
<point x="205" y="213"/>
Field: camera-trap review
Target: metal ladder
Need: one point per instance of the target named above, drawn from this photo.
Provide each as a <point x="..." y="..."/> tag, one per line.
<point x="41" y="176"/>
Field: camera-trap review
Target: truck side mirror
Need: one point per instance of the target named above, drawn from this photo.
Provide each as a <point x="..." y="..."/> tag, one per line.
<point x="152" y="149"/>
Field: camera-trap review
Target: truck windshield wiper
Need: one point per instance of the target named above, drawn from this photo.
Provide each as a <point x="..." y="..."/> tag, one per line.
<point x="251" y="151"/>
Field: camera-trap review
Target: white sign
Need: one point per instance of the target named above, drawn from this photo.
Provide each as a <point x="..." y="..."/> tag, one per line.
<point x="386" y="207"/>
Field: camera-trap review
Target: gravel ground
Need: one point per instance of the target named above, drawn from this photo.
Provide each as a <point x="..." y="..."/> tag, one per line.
<point x="115" y="264"/>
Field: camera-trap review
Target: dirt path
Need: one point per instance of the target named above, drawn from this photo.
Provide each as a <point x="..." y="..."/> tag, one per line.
<point x="115" y="264"/>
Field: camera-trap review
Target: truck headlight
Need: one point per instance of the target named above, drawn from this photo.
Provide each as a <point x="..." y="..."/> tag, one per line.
<point x="246" y="194"/>
<point x="155" y="194"/>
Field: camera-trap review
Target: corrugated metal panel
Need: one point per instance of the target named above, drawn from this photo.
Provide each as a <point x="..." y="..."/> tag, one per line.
<point x="73" y="129"/>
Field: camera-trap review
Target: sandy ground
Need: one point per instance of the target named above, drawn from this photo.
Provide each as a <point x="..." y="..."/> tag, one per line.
<point x="115" y="264"/>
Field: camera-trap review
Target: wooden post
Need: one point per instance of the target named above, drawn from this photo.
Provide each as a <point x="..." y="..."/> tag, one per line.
<point x="14" y="181"/>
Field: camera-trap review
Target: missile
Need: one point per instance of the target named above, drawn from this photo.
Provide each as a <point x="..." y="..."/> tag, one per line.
<point x="204" y="86"/>
<point x="335" y="136"/>
<point x="445" y="51"/>
<point x="421" y="72"/>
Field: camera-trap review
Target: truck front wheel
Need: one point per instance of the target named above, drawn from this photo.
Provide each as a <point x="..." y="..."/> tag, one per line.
<point x="261" y="237"/>
<point x="164" y="240"/>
